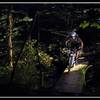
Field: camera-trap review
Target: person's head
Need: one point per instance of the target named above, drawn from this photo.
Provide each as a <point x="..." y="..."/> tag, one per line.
<point x="73" y="35"/>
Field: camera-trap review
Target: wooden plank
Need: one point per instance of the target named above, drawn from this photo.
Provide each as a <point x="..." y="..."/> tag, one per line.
<point x="70" y="83"/>
<point x="73" y="81"/>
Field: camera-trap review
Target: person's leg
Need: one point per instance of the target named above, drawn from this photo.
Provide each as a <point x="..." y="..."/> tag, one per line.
<point x="78" y="53"/>
<point x="77" y="56"/>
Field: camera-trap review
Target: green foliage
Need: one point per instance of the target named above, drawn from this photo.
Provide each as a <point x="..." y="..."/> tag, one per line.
<point x="84" y="24"/>
<point x="26" y="72"/>
<point x="26" y="65"/>
<point x="26" y="19"/>
<point x="45" y="59"/>
<point x="21" y="29"/>
<point x="3" y="17"/>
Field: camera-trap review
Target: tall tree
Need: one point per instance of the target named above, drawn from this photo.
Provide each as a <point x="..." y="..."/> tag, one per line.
<point x="10" y="19"/>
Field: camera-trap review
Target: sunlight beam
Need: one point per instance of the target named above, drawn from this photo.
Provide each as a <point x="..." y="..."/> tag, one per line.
<point x="77" y="67"/>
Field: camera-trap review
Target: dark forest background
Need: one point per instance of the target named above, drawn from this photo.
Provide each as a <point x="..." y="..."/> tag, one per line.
<point x="32" y="37"/>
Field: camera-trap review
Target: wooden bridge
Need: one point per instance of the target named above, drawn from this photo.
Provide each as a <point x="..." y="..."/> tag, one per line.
<point x="72" y="82"/>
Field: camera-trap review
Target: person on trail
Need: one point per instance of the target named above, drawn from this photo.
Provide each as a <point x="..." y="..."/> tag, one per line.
<point x="74" y="42"/>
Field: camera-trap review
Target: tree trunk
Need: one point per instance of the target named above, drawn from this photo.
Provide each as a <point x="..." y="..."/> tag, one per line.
<point x="10" y="41"/>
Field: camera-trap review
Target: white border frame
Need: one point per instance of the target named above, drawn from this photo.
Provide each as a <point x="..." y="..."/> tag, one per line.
<point x="49" y="2"/>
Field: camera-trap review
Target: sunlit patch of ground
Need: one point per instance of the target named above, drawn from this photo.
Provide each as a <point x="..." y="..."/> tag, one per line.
<point x="77" y="67"/>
